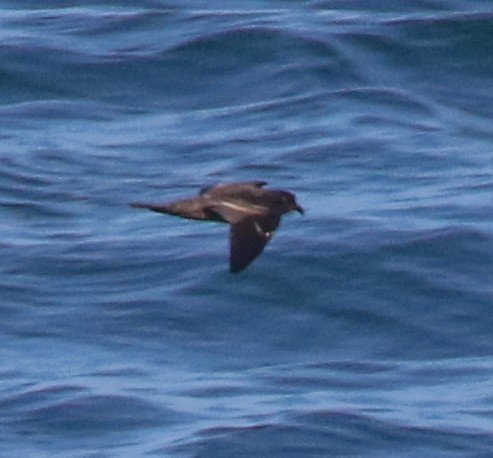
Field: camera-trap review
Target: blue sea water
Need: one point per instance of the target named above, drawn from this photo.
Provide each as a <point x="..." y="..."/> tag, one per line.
<point x="364" y="330"/>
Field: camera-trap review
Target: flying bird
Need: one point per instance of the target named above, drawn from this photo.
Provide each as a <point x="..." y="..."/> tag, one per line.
<point x="254" y="213"/>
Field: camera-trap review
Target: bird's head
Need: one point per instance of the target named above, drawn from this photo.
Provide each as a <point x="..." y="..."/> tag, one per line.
<point x="286" y="202"/>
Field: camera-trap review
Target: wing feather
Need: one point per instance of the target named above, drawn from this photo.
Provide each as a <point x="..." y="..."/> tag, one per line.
<point x="248" y="238"/>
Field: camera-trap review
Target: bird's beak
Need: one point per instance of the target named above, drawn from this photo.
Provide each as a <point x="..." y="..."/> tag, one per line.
<point x="299" y="209"/>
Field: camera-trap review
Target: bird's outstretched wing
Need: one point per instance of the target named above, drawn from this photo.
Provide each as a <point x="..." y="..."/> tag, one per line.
<point x="194" y="208"/>
<point x="248" y="238"/>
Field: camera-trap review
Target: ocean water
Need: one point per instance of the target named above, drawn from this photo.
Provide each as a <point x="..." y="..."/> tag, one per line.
<point x="364" y="330"/>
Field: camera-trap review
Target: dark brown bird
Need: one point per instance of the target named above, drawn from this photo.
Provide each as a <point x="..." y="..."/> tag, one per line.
<point x="253" y="213"/>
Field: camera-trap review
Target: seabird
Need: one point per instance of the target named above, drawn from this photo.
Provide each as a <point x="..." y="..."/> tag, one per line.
<point x="252" y="212"/>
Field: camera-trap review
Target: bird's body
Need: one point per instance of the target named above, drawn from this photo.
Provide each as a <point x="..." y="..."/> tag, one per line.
<point x="253" y="213"/>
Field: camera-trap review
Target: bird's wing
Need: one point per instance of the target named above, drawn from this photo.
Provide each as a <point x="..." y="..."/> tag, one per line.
<point x="238" y="185"/>
<point x="234" y="211"/>
<point x="194" y="208"/>
<point x="248" y="238"/>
